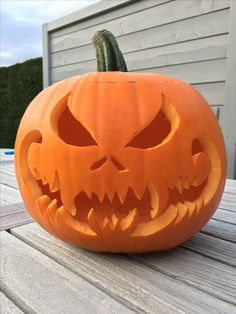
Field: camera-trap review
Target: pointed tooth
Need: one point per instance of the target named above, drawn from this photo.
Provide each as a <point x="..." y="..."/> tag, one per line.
<point x="36" y="174"/>
<point x="182" y="206"/>
<point x="122" y="195"/>
<point x="191" y="206"/>
<point x="139" y="190"/>
<point x="100" y="194"/>
<point x="179" y="185"/>
<point x="130" y="220"/>
<point x="93" y="221"/>
<point x="186" y="183"/>
<point x="114" y="220"/>
<point x="44" y="180"/>
<point x="106" y="224"/>
<point x="153" y="213"/>
<point x="200" y="203"/>
<point x="182" y="212"/>
<point x="88" y="191"/>
<point x="52" y="208"/>
<point x="195" y="181"/>
<point x="154" y="201"/>
<point x="110" y="194"/>
<point x="55" y="186"/>
<point x="61" y="210"/>
<point x="42" y="203"/>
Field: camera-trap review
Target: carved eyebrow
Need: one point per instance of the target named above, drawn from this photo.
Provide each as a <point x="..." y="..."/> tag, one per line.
<point x="68" y="128"/>
<point x="158" y="129"/>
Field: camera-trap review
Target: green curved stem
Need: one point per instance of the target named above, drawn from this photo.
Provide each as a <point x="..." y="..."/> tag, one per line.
<point x="109" y="57"/>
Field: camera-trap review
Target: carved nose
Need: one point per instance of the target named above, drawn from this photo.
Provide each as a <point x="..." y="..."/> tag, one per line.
<point x="99" y="163"/>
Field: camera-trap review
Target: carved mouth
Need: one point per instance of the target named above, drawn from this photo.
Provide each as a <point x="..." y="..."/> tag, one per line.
<point x="122" y="214"/>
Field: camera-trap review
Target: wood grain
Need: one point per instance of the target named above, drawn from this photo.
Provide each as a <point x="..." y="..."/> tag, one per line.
<point x="171" y="13"/>
<point x="9" y="180"/>
<point x="12" y="209"/>
<point x="145" y="288"/>
<point x="220" y="230"/>
<point x="183" y="52"/>
<point x="196" y="270"/>
<point x="19" y="218"/>
<point x="225" y="215"/>
<point x="10" y="194"/>
<point x="218" y="249"/>
<point x="7" y="306"/>
<point x="47" y="287"/>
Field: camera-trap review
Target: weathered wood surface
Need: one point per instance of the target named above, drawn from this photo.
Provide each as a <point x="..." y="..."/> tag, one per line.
<point x="148" y="289"/>
<point x="7" y="306"/>
<point x="197" y="277"/>
<point x="40" y="285"/>
<point x="215" y="248"/>
<point x="136" y="23"/>
<point x="17" y="218"/>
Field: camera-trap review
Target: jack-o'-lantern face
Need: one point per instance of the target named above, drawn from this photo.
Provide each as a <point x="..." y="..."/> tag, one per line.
<point x="120" y="162"/>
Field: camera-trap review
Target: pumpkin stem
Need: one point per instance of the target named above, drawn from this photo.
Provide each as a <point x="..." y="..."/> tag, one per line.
<point x="109" y="57"/>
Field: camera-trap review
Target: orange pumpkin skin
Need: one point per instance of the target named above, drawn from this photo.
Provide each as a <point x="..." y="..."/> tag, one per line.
<point x="120" y="162"/>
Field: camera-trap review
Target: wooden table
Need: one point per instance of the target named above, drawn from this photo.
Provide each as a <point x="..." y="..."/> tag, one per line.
<point x="41" y="274"/>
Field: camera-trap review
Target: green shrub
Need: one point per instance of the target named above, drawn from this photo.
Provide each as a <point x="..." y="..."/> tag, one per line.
<point x="19" y="84"/>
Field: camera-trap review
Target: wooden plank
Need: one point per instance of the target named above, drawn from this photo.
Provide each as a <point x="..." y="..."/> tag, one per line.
<point x="9" y="180"/>
<point x="7" y="306"/>
<point x="13" y="220"/>
<point x="190" y="51"/>
<point x="229" y="197"/>
<point x="10" y="194"/>
<point x="230" y="187"/>
<point x="147" y="289"/>
<point x="226" y="216"/>
<point x="3" y="203"/>
<point x="220" y="230"/>
<point x="37" y="280"/>
<point x="169" y="13"/>
<point x="7" y="170"/>
<point x="227" y="204"/>
<point x="206" y="245"/>
<point x="197" y="72"/>
<point x="88" y="13"/>
<point x="9" y="164"/>
<point x="105" y="16"/>
<point x="189" y="29"/>
<point x="12" y="209"/>
<point x="213" y="92"/>
<point x="231" y="183"/>
<point x="230" y="190"/>
<point x="205" y="274"/>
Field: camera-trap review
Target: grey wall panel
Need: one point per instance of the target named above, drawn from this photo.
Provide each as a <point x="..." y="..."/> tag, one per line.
<point x="197" y="27"/>
<point x="195" y="50"/>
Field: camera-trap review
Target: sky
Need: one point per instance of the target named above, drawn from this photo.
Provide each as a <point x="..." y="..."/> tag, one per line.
<point x="21" y="25"/>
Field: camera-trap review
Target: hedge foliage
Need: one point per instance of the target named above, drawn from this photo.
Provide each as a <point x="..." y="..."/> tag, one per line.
<point x="19" y="84"/>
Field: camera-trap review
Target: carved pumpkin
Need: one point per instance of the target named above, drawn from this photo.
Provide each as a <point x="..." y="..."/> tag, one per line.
<point x="118" y="161"/>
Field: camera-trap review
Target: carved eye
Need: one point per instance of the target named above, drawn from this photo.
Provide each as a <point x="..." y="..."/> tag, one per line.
<point x="153" y="134"/>
<point x="72" y="132"/>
